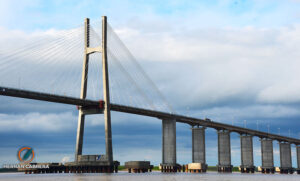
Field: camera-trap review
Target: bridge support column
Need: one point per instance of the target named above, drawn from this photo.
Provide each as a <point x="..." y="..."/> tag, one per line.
<point x="169" y="146"/>
<point x="285" y="158"/>
<point x="224" y="151"/>
<point x="267" y="156"/>
<point x="84" y="81"/>
<point x="79" y="137"/>
<point x="298" y="158"/>
<point x="247" y="164"/>
<point x="198" y="147"/>
<point x="107" y="117"/>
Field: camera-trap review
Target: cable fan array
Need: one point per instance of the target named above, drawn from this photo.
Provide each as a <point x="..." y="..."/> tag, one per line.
<point x="129" y="83"/>
<point x="52" y="63"/>
<point x="45" y="63"/>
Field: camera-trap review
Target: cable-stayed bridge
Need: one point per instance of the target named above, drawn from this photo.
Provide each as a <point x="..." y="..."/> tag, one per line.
<point x="63" y="78"/>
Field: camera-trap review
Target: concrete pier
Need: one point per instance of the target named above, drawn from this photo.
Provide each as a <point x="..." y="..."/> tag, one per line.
<point x="198" y="147"/>
<point x="285" y="158"/>
<point x="138" y="166"/>
<point x="247" y="164"/>
<point x="79" y="137"/>
<point x="195" y="168"/>
<point x="267" y="156"/>
<point x="169" y="146"/>
<point x="298" y="158"/>
<point x="224" y="151"/>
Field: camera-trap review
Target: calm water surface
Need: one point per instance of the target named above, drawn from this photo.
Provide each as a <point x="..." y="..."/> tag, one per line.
<point x="155" y="176"/>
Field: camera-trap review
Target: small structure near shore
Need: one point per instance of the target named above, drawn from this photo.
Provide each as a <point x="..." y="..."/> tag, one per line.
<point x="195" y="168"/>
<point x="138" y="166"/>
<point x="266" y="170"/>
<point x="246" y="169"/>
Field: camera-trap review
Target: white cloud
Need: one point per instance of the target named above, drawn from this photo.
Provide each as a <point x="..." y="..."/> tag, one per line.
<point x="64" y="121"/>
<point x="228" y="114"/>
<point x="281" y="92"/>
<point x="65" y="159"/>
<point x="37" y="122"/>
<point x="216" y="64"/>
<point x="212" y="64"/>
<point x="199" y="67"/>
<point x="249" y="64"/>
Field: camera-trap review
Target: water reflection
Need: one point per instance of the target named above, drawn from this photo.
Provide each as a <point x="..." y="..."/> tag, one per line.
<point x="154" y="176"/>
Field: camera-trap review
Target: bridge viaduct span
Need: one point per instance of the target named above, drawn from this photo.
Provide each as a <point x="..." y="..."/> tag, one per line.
<point x="169" y="163"/>
<point x="95" y="107"/>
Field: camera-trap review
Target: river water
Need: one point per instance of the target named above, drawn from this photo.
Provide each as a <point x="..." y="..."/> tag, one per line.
<point x="154" y="176"/>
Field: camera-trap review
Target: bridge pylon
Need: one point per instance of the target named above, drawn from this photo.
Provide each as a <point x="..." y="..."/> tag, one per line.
<point x="104" y="106"/>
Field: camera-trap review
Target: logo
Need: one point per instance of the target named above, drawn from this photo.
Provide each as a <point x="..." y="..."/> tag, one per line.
<point x="98" y="157"/>
<point x="25" y="154"/>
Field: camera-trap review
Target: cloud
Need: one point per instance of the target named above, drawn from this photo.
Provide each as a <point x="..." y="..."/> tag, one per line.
<point x="37" y="122"/>
<point x="215" y="65"/>
<point x="248" y="64"/>
<point x="64" y="121"/>
<point x="241" y="72"/>
<point x="65" y="159"/>
<point x="251" y="112"/>
<point x="282" y="92"/>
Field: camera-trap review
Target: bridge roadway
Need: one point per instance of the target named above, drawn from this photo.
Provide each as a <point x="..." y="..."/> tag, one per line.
<point x="5" y="91"/>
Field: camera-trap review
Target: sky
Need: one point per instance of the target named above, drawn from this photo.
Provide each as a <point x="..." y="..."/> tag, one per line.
<point x="236" y="62"/>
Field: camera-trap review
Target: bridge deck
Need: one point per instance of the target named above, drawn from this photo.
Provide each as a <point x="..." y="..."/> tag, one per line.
<point x="144" y="112"/>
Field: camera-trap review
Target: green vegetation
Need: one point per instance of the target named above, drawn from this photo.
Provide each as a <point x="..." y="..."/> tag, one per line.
<point x="121" y="167"/>
<point x="235" y="169"/>
<point x="212" y="168"/>
<point x="155" y="168"/>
